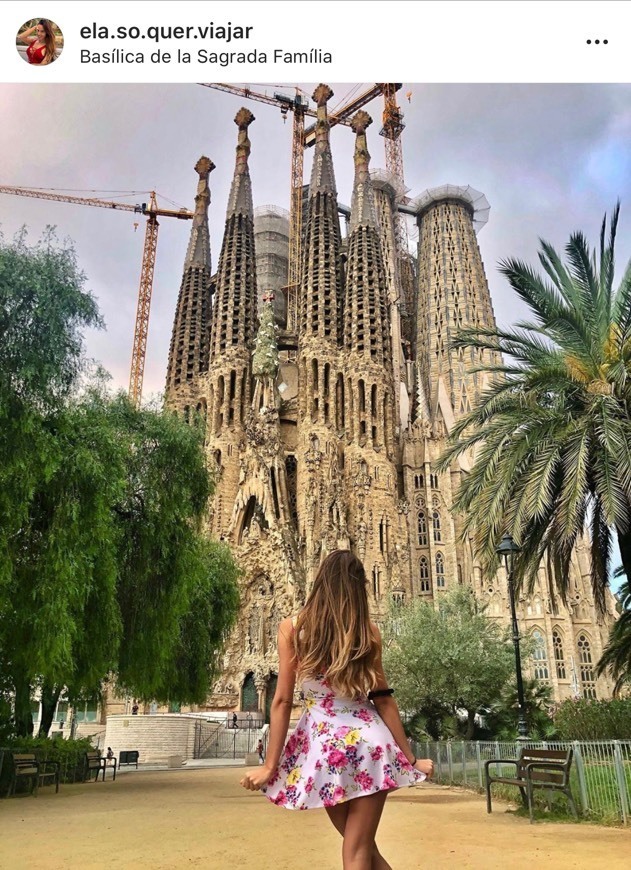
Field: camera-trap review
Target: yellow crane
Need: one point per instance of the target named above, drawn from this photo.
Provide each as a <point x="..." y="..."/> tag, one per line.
<point x="152" y="212"/>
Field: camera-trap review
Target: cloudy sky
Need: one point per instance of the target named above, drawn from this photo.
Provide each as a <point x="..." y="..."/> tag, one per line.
<point x="550" y="159"/>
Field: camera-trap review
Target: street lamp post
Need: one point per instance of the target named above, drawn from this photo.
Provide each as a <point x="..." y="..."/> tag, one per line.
<point x="507" y="550"/>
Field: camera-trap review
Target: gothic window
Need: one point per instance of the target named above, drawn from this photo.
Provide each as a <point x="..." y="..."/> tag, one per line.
<point x="559" y="660"/>
<point x="424" y="575"/>
<point x="433" y="481"/>
<point x="418" y="481"/>
<point x="440" y="571"/>
<point x="540" y="656"/>
<point x="422" y="529"/>
<point x="436" y="526"/>
<point x="398" y="597"/>
<point x="586" y="665"/>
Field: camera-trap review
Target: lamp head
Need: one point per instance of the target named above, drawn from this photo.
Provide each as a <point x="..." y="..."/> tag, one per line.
<point x="507" y="549"/>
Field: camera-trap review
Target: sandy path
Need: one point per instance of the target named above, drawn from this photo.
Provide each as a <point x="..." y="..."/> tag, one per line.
<point x="202" y="818"/>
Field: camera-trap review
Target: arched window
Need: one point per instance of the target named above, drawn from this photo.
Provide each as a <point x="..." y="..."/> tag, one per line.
<point x="440" y="571"/>
<point x="418" y="481"/>
<point x="436" y="525"/>
<point x="559" y="660"/>
<point x="586" y="665"/>
<point x="424" y="575"/>
<point x="540" y="656"/>
<point x="422" y="529"/>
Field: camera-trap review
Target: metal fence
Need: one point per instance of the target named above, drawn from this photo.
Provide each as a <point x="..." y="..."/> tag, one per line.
<point x="215" y="741"/>
<point x="600" y="774"/>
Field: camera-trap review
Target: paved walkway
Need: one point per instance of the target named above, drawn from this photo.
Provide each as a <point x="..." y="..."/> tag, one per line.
<point x="202" y="818"/>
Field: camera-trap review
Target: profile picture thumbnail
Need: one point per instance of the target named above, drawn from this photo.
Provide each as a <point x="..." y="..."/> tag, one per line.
<point x="39" y="41"/>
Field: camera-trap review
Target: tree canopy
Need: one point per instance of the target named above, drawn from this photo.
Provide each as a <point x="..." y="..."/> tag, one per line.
<point x="104" y="565"/>
<point x="446" y="659"/>
<point x="551" y="435"/>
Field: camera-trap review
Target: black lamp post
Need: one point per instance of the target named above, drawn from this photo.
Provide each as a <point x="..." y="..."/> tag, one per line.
<point x="507" y="550"/>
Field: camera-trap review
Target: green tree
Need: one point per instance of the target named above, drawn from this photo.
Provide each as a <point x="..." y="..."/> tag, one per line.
<point x="552" y="433"/>
<point x="446" y="659"/>
<point x="501" y="717"/>
<point x="616" y="657"/>
<point x="104" y="568"/>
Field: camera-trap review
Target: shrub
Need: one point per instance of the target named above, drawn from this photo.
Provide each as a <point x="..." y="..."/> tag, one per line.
<point x="583" y="719"/>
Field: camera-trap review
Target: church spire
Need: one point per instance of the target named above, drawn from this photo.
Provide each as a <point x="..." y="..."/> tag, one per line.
<point x="321" y="290"/>
<point x="234" y="316"/>
<point x="188" y="354"/>
<point x="366" y="320"/>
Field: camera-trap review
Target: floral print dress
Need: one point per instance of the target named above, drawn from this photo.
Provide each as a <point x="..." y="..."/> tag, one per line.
<point x="340" y="749"/>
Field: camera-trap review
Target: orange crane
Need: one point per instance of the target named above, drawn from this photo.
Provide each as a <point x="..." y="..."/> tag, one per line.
<point x="304" y="138"/>
<point x="152" y="212"/>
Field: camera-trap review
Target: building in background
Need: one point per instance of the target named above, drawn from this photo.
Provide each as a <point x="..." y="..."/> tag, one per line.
<point x="324" y="437"/>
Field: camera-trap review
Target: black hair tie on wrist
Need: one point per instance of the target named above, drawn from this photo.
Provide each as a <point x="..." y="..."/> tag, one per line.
<point x="380" y="693"/>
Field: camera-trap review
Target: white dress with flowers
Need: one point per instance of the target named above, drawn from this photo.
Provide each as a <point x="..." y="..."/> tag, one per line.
<point x="340" y="749"/>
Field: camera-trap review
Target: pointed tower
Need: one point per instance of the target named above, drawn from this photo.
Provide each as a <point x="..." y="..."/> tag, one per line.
<point x="233" y="330"/>
<point x="321" y="407"/>
<point x="452" y="294"/>
<point x="188" y="354"/>
<point x="378" y="528"/>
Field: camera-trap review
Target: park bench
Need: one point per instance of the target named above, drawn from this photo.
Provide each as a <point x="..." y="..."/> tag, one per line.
<point x="96" y="761"/>
<point x="26" y="766"/>
<point x="128" y="756"/>
<point x="535" y="768"/>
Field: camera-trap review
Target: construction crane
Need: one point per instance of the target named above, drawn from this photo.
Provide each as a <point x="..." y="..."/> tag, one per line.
<point x="152" y="212"/>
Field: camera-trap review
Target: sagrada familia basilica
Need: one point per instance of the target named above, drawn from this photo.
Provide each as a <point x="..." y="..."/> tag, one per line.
<point x="323" y="422"/>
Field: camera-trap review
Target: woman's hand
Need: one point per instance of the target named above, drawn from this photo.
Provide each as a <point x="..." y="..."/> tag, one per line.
<point x="258" y="777"/>
<point x="425" y="765"/>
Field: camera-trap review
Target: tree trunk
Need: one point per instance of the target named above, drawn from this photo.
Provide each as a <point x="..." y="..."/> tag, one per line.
<point x="470" y="725"/>
<point x="23" y="715"/>
<point x="624" y="542"/>
<point x="50" y="696"/>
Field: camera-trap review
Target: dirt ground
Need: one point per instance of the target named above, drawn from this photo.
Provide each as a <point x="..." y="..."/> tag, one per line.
<point x="202" y="818"/>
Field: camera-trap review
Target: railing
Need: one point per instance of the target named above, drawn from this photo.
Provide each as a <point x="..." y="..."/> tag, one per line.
<point x="219" y="742"/>
<point x="600" y="774"/>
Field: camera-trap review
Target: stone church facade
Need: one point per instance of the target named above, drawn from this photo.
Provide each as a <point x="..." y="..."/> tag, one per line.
<point x="322" y="432"/>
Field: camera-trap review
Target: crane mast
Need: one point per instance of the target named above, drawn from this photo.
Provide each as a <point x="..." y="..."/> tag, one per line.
<point x="145" y="290"/>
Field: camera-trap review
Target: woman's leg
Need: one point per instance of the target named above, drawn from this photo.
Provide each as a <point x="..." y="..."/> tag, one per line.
<point x="338" y="815"/>
<point x="362" y="821"/>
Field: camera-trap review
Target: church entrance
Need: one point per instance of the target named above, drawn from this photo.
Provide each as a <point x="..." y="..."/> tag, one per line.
<point x="269" y="694"/>
<point x="250" y="698"/>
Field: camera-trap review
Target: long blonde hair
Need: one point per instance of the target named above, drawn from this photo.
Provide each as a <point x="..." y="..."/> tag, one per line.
<point x="333" y="634"/>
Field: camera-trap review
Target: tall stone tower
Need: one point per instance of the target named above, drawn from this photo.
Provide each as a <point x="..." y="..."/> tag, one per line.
<point x="332" y="443"/>
<point x="188" y="355"/>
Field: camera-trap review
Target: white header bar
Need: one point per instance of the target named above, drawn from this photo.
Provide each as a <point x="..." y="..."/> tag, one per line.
<point x="332" y="40"/>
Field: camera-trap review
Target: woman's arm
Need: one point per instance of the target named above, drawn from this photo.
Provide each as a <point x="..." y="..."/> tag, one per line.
<point x="280" y="711"/>
<point x="22" y="36"/>
<point x="387" y="708"/>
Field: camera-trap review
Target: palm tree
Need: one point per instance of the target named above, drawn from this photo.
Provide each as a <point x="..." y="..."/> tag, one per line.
<point x="616" y="657"/>
<point x="551" y="435"/>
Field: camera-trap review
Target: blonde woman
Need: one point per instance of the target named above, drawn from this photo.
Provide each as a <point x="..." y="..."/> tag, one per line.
<point x="349" y="748"/>
<point x="41" y="43"/>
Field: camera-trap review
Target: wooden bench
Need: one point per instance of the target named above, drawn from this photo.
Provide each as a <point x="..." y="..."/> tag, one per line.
<point x="96" y="761"/>
<point x="128" y="756"/>
<point x="535" y="768"/>
<point x="26" y="766"/>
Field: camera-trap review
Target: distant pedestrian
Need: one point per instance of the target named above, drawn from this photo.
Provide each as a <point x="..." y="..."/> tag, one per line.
<point x="134" y="709"/>
<point x="235" y="720"/>
<point x="261" y="751"/>
<point x="109" y="755"/>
